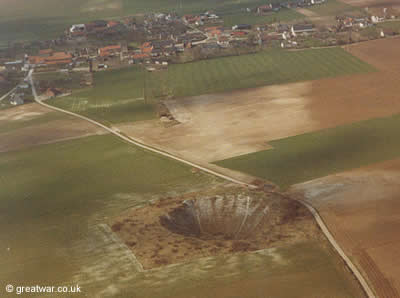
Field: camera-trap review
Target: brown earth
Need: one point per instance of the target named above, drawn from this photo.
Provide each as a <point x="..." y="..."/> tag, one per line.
<point x="361" y="208"/>
<point x="217" y="126"/>
<point x="224" y="125"/>
<point x="349" y="99"/>
<point x="224" y="221"/>
<point x="31" y="125"/>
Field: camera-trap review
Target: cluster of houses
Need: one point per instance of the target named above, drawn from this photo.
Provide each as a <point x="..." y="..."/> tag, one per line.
<point x="49" y="58"/>
<point x="201" y="19"/>
<point x="347" y="22"/>
<point x="100" y="28"/>
<point x="160" y="37"/>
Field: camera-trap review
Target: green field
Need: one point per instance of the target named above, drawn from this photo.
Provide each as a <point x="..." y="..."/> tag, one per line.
<point x="54" y="199"/>
<point x="50" y="194"/>
<point x="117" y="95"/>
<point x="333" y="8"/>
<point x="313" y="155"/>
<point x="254" y="70"/>
<point x="285" y="15"/>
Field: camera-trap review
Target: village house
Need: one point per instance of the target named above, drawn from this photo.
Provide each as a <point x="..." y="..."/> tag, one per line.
<point x="77" y="28"/>
<point x="109" y="51"/>
<point x="138" y="58"/>
<point x="239" y="34"/>
<point x="268" y="8"/>
<point x="55" y="59"/>
<point x="146" y="48"/>
<point x="52" y="92"/>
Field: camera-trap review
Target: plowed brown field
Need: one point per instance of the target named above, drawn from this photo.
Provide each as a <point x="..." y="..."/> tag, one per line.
<point x="361" y="208"/>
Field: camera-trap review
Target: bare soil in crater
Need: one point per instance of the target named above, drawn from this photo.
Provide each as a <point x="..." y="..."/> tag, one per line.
<point x="224" y="221"/>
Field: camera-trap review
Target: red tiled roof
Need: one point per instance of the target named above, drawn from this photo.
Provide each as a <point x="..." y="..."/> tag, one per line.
<point x="54" y="62"/>
<point x="146" y="44"/>
<point x="140" y="56"/>
<point x="239" y="33"/>
<point x="45" y="52"/>
<point x="36" y="59"/>
<point x="59" y="56"/>
<point x="108" y="50"/>
<point x="112" y="23"/>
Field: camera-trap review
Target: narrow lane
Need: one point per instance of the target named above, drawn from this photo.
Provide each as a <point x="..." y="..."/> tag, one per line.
<point x="367" y="290"/>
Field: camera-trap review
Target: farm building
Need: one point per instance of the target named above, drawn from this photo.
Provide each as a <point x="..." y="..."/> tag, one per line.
<point x="299" y="29"/>
<point x="241" y="27"/>
<point x="57" y="58"/>
<point x="77" y="28"/>
<point x="264" y="9"/>
<point x="52" y="92"/>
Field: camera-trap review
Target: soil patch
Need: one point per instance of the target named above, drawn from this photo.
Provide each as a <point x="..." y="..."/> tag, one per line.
<point x="224" y="221"/>
<point x="31" y="125"/>
<point x="361" y="208"/>
<point x="219" y="126"/>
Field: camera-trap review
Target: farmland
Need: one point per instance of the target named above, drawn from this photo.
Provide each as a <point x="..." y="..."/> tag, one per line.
<point x="59" y="213"/>
<point x="246" y="71"/>
<point x="85" y="179"/>
<point x="285" y="15"/>
<point x="118" y="96"/>
<point x="308" y="156"/>
<point x="361" y="209"/>
<point x="332" y="8"/>
<point x="32" y="125"/>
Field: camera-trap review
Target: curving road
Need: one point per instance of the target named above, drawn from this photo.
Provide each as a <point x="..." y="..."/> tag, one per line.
<point x="367" y="289"/>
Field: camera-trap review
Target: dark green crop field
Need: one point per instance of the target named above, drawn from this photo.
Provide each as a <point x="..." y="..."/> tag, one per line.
<point x="285" y="15"/>
<point x="264" y="68"/>
<point x="312" y="155"/>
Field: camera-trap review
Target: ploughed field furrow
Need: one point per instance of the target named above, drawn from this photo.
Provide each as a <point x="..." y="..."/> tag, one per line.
<point x="383" y="287"/>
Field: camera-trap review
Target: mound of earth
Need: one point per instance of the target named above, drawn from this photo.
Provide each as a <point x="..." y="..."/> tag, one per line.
<point x="224" y="221"/>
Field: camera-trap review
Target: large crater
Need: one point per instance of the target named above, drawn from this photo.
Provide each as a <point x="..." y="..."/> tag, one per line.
<point x="228" y="217"/>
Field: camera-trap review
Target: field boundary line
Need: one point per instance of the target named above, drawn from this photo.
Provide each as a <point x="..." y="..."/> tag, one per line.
<point x="115" y="239"/>
<point x="317" y="217"/>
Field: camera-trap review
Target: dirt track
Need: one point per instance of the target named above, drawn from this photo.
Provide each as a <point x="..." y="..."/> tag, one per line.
<point x="361" y="210"/>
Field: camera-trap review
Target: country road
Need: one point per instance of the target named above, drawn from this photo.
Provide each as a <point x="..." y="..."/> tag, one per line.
<point x="367" y="290"/>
